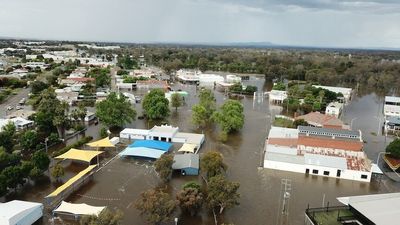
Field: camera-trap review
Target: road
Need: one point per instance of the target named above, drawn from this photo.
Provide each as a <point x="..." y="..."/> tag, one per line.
<point x="13" y="101"/>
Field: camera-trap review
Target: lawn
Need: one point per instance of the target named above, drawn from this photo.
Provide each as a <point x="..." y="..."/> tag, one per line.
<point x="330" y="217"/>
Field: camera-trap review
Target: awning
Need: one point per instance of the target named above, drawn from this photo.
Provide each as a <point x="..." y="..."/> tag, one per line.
<point x="102" y="143"/>
<point x="79" y="209"/>
<point x="82" y="155"/>
<point x="188" y="148"/>
<point x="375" y="169"/>
<point x="71" y="181"/>
<point x="159" y="145"/>
<point x="142" y="152"/>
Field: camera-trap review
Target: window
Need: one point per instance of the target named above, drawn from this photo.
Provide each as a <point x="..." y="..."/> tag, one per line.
<point x="307" y="171"/>
<point x="315" y="171"/>
<point x="326" y="173"/>
<point x="364" y="176"/>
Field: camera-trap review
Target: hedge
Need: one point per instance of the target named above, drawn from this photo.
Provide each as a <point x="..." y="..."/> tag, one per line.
<point x="77" y="144"/>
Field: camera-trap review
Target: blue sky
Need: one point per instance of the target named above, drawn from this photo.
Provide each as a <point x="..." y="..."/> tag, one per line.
<point x="320" y="23"/>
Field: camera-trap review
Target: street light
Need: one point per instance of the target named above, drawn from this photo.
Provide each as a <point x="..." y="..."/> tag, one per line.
<point x="176" y="221"/>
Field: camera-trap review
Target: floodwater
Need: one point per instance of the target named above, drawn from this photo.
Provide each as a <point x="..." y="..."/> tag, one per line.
<point x="119" y="184"/>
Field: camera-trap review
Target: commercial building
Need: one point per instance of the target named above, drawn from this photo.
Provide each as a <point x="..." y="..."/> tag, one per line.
<point x="207" y="80"/>
<point x="377" y="209"/>
<point x="391" y="111"/>
<point x="334" y="109"/>
<point x="318" y="151"/>
<point x="188" y="76"/>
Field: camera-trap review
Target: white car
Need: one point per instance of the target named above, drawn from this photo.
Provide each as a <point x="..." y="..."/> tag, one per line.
<point x="18" y="107"/>
<point x="9" y="107"/>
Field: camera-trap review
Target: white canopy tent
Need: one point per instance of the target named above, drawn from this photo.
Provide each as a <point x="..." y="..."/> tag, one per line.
<point x="20" y="212"/>
<point x="78" y="209"/>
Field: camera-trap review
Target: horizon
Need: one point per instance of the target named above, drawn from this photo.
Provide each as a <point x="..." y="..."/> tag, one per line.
<point x="319" y="23"/>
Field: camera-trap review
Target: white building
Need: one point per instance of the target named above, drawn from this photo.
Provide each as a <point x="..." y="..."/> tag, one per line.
<point x="210" y="79"/>
<point x="392" y="106"/>
<point x="346" y="92"/>
<point x="20" y="212"/>
<point x="277" y="96"/>
<point x="19" y="123"/>
<point x="233" y="79"/>
<point x="33" y="65"/>
<point x="318" y="151"/>
<point x="334" y="109"/>
<point x="188" y="76"/>
<point x="163" y="133"/>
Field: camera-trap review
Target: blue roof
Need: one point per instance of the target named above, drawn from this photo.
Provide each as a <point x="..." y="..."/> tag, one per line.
<point x="160" y="145"/>
<point x="142" y="152"/>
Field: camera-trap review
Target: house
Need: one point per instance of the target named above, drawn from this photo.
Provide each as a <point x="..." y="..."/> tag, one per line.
<point x="277" y="96"/>
<point x="318" y="151"/>
<point x="334" y="109"/>
<point x="23" y="113"/>
<point x="151" y="84"/>
<point x="187" y="164"/>
<point x="163" y="133"/>
<point x="18" y="212"/>
<point x="376" y="209"/>
<point x="67" y="95"/>
<point x="33" y="65"/>
<point x="317" y="119"/>
<point x="19" y="123"/>
<point x="392" y="124"/>
<point x="346" y="92"/>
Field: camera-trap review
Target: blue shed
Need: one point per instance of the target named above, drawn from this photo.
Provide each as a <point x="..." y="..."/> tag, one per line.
<point x="188" y="164"/>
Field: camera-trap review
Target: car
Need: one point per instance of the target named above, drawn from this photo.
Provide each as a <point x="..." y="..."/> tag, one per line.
<point x="18" y="107"/>
<point x="9" y="107"/>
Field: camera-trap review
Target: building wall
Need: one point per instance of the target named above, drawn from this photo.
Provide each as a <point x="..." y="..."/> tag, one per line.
<point x="344" y="174"/>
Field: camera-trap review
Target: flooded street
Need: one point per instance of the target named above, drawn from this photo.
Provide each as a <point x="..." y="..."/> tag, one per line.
<point x="119" y="184"/>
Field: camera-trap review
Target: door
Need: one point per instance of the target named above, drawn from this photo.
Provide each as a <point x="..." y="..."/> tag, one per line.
<point x="338" y="173"/>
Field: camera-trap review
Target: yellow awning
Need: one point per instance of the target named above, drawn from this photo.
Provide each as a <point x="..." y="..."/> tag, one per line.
<point x="188" y="148"/>
<point x="82" y="155"/>
<point x="71" y="181"/>
<point x="102" y="143"/>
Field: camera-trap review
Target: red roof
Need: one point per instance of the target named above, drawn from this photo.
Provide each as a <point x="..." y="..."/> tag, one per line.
<point x="394" y="163"/>
<point x="330" y="143"/>
<point x="322" y="120"/>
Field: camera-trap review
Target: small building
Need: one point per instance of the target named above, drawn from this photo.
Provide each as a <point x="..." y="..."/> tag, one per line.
<point x="151" y="84"/>
<point x="210" y="79"/>
<point x="67" y="96"/>
<point x="392" y="124"/>
<point x="346" y="92"/>
<point x="334" y="109"/>
<point x="188" y="76"/>
<point x="146" y="149"/>
<point x="277" y="96"/>
<point x="317" y="119"/>
<point x="162" y="133"/>
<point x="233" y="79"/>
<point x="18" y="212"/>
<point x="187" y="164"/>
<point x="391" y="106"/>
<point x="19" y="123"/>
<point x="183" y="94"/>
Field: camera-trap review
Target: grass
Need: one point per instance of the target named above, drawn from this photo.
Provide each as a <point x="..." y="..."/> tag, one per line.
<point x="281" y="122"/>
<point x="330" y="217"/>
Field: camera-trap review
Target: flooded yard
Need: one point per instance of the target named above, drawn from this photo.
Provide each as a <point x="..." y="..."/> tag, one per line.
<point x="119" y="184"/>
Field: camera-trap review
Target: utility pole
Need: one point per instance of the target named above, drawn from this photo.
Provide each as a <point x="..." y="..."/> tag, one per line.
<point x="284" y="199"/>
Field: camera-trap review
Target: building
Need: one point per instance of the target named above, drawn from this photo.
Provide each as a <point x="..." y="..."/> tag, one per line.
<point x="233" y="79"/>
<point x="19" y="123"/>
<point x="188" y="76"/>
<point x="334" y="109"/>
<point x="210" y="79"/>
<point x="163" y="133"/>
<point x="169" y="94"/>
<point x="318" y="151"/>
<point x="377" y="209"/>
<point x="33" y="65"/>
<point x="317" y="119"/>
<point x="187" y="164"/>
<point x="346" y="92"/>
<point x="277" y="96"/>
<point x="67" y="96"/>
<point x="392" y="124"/>
<point x="151" y="84"/>
<point x="391" y="106"/>
<point x="18" y="212"/>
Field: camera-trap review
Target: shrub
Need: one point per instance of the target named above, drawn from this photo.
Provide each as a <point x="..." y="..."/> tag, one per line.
<point x="77" y="144"/>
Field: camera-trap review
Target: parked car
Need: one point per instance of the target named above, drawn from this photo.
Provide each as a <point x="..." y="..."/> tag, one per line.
<point x="18" y="107"/>
<point x="9" y="107"/>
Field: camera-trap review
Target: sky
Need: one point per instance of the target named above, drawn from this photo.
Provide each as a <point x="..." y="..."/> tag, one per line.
<point x="317" y="23"/>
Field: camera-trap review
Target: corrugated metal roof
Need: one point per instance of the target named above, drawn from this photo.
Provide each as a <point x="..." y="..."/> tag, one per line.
<point x="351" y="145"/>
<point x="182" y="161"/>
<point x="331" y="131"/>
<point x="142" y="152"/>
<point x="159" y="145"/>
<point x="325" y="161"/>
<point x="281" y="132"/>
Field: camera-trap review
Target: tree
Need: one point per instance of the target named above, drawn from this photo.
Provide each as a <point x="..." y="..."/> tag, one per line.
<point x="115" y="111"/>
<point x="103" y="132"/>
<point x="41" y="160"/>
<point x="38" y="86"/>
<point x="212" y="164"/>
<point x="230" y="117"/>
<point x="163" y="166"/>
<point x="202" y="112"/>
<point x="61" y="119"/>
<point x="155" y="105"/>
<point x="101" y="75"/>
<point x="394" y="148"/>
<point x="176" y="100"/>
<point x="13" y="176"/>
<point x="57" y="171"/>
<point x="46" y="110"/>
<point x="190" y="199"/>
<point x="79" y="113"/>
<point x="6" y="140"/>
<point x="29" y="139"/>
<point x="222" y="194"/>
<point x="3" y="185"/>
<point x="299" y="122"/>
<point x="9" y="129"/>
<point x="106" y="217"/>
<point x="156" y="205"/>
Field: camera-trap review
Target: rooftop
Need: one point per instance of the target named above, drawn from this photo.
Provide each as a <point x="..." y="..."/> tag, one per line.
<point x="329" y="132"/>
<point x="330" y="143"/>
<point x="282" y="132"/>
<point x="182" y="161"/>
<point x="392" y="99"/>
<point x="321" y="119"/>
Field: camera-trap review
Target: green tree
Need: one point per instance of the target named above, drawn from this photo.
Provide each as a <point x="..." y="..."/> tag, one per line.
<point x="61" y="118"/>
<point x="212" y="164"/>
<point x="394" y="148"/>
<point x="199" y="115"/>
<point x="106" y="217"/>
<point x="41" y="160"/>
<point x="202" y="112"/>
<point x="176" y="101"/>
<point x="163" y="166"/>
<point x="190" y="199"/>
<point x="115" y="111"/>
<point x="101" y="75"/>
<point x="35" y="173"/>
<point x="103" y="132"/>
<point x="6" y="140"/>
<point x="299" y="122"/>
<point x="29" y="139"/>
<point x="9" y="129"/>
<point x="57" y="171"/>
<point x="230" y="117"/>
<point x="155" y="105"/>
<point x="156" y="205"/>
<point x="13" y="176"/>
<point x="38" y="86"/>
<point x="3" y="185"/>
<point x="222" y="194"/>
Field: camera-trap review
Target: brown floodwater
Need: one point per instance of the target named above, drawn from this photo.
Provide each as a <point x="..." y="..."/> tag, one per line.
<point x="119" y="184"/>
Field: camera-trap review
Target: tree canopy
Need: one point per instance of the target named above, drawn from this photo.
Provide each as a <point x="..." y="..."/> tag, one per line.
<point x="176" y="101"/>
<point x="222" y="194"/>
<point x="163" y="166"/>
<point x="212" y="164"/>
<point x="101" y="75"/>
<point x="155" y="105"/>
<point x="190" y="198"/>
<point x="202" y="112"/>
<point x="394" y="148"/>
<point x="106" y="217"/>
<point x="230" y="117"/>
<point x="115" y="111"/>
